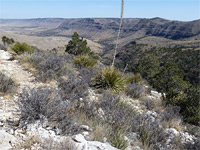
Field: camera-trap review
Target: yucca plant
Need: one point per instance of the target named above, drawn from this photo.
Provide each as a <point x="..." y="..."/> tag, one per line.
<point x="111" y="78"/>
<point x="84" y="61"/>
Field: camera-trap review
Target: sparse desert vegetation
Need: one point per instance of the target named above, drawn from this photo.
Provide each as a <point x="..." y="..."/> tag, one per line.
<point x="139" y="91"/>
<point x="7" y="85"/>
<point x="71" y="105"/>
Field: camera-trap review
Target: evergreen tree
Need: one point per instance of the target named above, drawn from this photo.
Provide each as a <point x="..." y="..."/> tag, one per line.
<point x="77" y="46"/>
<point x="149" y="66"/>
<point x="4" y="39"/>
<point x="7" y="40"/>
<point x="190" y="105"/>
<point x="170" y="81"/>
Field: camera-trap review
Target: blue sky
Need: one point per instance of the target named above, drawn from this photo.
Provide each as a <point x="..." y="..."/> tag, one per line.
<point x="184" y="10"/>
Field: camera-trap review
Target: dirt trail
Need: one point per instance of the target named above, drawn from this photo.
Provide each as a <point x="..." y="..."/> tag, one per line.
<point x="24" y="79"/>
<point x="16" y="72"/>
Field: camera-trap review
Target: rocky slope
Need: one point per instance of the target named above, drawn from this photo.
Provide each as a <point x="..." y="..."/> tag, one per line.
<point x="12" y="136"/>
<point x="40" y="134"/>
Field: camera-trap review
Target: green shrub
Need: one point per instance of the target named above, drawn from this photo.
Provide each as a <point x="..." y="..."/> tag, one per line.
<point x="20" y="48"/>
<point x="189" y="104"/>
<point x="111" y="78"/>
<point x="7" y="40"/>
<point x="118" y="140"/>
<point x="7" y="85"/>
<point x="84" y="61"/>
<point x="135" y="90"/>
<point x="134" y="78"/>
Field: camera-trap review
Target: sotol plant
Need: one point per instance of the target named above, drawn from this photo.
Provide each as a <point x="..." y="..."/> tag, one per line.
<point x="111" y="78"/>
<point x="84" y="61"/>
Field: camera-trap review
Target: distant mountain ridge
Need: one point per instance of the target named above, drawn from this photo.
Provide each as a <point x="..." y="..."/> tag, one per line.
<point x="104" y="30"/>
<point x="154" y="27"/>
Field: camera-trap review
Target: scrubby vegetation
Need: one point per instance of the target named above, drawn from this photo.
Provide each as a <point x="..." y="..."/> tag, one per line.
<point x="171" y="71"/>
<point x="169" y="79"/>
<point x="7" y="85"/>
<point x="111" y="78"/>
<point x="70" y="104"/>
<point x="48" y="65"/>
<point x="7" y="41"/>
<point x="84" y="61"/>
<point x="20" y="48"/>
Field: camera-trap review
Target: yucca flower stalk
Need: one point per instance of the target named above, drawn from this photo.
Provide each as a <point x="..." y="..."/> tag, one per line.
<point x="120" y="26"/>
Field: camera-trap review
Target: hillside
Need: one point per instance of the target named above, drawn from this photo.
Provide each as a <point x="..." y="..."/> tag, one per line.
<point x="104" y="30"/>
<point x="55" y="107"/>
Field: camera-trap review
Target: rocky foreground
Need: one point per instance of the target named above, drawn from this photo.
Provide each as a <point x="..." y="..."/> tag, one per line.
<point x="11" y="135"/>
<point x="40" y="135"/>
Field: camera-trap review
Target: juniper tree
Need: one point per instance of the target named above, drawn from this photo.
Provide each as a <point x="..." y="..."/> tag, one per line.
<point x="77" y="45"/>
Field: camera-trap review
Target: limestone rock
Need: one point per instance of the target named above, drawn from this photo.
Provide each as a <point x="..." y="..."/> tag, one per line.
<point x="6" y="140"/>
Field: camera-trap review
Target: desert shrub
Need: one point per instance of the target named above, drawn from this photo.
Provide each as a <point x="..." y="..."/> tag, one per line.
<point x="7" y="85"/>
<point x="2" y="47"/>
<point x="52" y="67"/>
<point x="33" y="59"/>
<point x="50" y="144"/>
<point x="32" y="103"/>
<point x="110" y="78"/>
<point x="118" y="139"/>
<point x="88" y="74"/>
<point x="84" y="61"/>
<point x="35" y="104"/>
<point x="135" y="90"/>
<point x="36" y="58"/>
<point x="134" y="78"/>
<point x="170" y="113"/>
<point x="119" y="117"/>
<point x="151" y="133"/>
<point x="20" y="48"/>
<point x="75" y="87"/>
<point x="150" y="104"/>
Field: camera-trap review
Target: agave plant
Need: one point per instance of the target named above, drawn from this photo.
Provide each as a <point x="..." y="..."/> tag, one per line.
<point x="111" y="78"/>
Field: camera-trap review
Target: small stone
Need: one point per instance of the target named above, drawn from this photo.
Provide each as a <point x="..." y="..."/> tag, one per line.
<point x="173" y="131"/>
<point x="79" y="138"/>
<point x="1" y="124"/>
<point x="22" y="131"/>
<point x="85" y="127"/>
<point x="58" y="131"/>
<point x="49" y="128"/>
<point x="12" y="131"/>
<point x="52" y="133"/>
<point x="86" y="135"/>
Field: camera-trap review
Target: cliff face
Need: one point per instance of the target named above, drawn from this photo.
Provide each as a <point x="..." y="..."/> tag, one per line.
<point x="154" y="27"/>
<point x="104" y="30"/>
